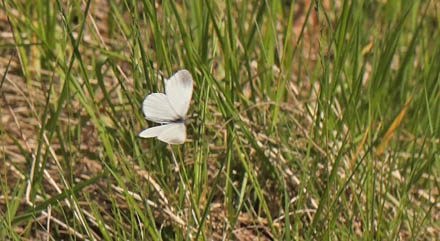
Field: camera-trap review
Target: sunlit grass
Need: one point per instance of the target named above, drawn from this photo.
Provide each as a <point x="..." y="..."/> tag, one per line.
<point x="310" y="120"/>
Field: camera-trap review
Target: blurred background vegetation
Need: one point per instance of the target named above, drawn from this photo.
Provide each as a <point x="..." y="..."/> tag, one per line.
<point x="310" y="120"/>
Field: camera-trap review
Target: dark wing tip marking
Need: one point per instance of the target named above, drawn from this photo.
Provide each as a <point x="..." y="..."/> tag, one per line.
<point x="186" y="76"/>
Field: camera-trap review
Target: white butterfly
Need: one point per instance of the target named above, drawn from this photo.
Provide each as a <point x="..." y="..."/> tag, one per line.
<point x="169" y="109"/>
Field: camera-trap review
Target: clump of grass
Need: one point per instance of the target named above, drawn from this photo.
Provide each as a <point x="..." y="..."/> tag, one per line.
<point x="310" y="120"/>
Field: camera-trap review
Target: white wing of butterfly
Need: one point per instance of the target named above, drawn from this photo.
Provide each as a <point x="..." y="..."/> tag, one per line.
<point x="169" y="109"/>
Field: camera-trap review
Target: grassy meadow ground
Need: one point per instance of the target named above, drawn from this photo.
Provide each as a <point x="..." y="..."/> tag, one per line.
<point x="310" y="120"/>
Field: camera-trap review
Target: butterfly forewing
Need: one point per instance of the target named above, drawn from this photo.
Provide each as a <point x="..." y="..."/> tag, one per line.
<point x="157" y="108"/>
<point x="178" y="89"/>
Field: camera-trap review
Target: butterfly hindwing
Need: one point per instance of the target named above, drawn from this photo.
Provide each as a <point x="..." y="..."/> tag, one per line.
<point x="153" y="131"/>
<point x="175" y="133"/>
<point x="172" y="133"/>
